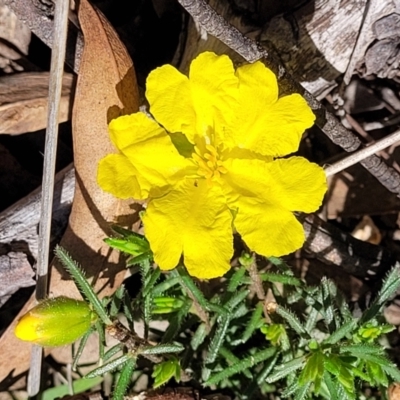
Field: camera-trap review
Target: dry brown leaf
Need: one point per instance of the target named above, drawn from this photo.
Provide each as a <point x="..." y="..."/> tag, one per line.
<point x="23" y="101"/>
<point x="394" y="391"/>
<point x="106" y="88"/>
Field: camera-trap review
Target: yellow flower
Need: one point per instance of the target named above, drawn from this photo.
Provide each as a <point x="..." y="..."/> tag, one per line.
<point x="209" y="164"/>
<point x="55" y="322"/>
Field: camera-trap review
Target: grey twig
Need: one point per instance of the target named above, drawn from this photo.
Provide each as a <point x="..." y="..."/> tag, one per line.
<point x="217" y="26"/>
<point x="55" y="88"/>
<point x="214" y="24"/>
<point x="42" y="26"/>
<point x="332" y="246"/>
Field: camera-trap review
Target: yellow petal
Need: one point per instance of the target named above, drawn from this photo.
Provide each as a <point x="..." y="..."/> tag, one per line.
<point x="150" y="151"/>
<point x="268" y="230"/>
<point x="258" y="80"/>
<point x="298" y="184"/>
<point x="214" y="92"/>
<point x="193" y="221"/>
<point x="116" y="175"/>
<point x="264" y="123"/>
<point x="132" y="129"/>
<point x="294" y="184"/>
<point x="169" y="95"/>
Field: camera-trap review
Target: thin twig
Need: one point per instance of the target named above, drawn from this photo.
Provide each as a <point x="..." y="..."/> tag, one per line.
<point x="362" y="154"/>
<point x="205" y="16"/>
<point x="55" y="88"/>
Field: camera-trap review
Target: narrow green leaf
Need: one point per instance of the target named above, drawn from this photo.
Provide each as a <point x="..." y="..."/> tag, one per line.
<point x="331" y="386"/>
<point x="150" y="282"/>
<point x="376" y="374"/>
<point x="124" y="379"/>
<point x="236" y="299"/>
<point x="291" y="319"/>
<point x="78" y="386"/>
<point x="281" y="278"/>
<point x="236" y="279"/>
<point x="285" y="369"/>
<point x="79" y="278"/>
<point x="302" y="392"/>
<point x="217" y="339"/>
<point x="232" y="359"/>
<point x="310" y="324"/>
<point x="340" y="333"/>
<point x="117" y="301"/>
<point x="114" y="350"/>
<point x="199" y="336"/>
<point x="390" y="284"/>
<point x="291" y="389"/>
<point x="188" y="284"/>
<point x="164" y="286"/>
<point x="81" y="347"/>
<point x="255" y="323"/>
<point x="162" y="349"/>
<point x="260" y="379"/>
<point x="109" y="367"/>
<point x="241" y="366"/>
<point x="392" y="371"/>
<point x="359" y="350"/>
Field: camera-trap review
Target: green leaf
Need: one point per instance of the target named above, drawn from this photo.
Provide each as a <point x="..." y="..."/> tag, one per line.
<point x="79" y="278"/>
<point x="217" y="339"/>
<point x="78" y="386"/>
<point x="199" y="336"/>
<point x="360" y="350"/>
<point x="389" y="287"/>
<point x="280" y="278"/>
<point x="255" y="322"/>
<point x="162" y="349"/>
<point x="81" y="347"/>
<point x="124" y="379"/>
<point x="313" y="370"/>
<point x="291" y="319"/>
<point x="164" y="286"/>
<point x="236" y="279"/>
<point x="188" y="284"/>
<point x="111" y="366"/>
<point x="114" y="350"/>
<point x="376" y="374"/>
<point x="232" y="359"/>
<point x="331" y="386"/>
<point x="302" y="391"/>
<point x="241" y="366"/>
<point x="340" y="333"/>
<point x="285" y="369"/>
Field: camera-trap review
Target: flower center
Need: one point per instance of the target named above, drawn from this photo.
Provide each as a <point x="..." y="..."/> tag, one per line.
<point x="209" y="163"/>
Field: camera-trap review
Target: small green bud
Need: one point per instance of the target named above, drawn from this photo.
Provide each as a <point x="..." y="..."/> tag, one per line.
<point x="166" y="370"/>
<point x="55" y="322"/>
<point x="165" y="305"/>
<point x="133" y="246"/>
<point x="275" y="333"/>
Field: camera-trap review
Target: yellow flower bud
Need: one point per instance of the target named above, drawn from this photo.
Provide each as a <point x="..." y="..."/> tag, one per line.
<point x="55" y="322"/>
